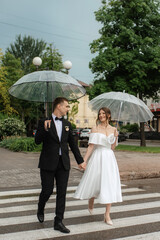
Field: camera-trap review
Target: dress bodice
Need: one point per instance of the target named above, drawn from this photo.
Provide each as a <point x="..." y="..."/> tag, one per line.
<point x="101" y="139"/>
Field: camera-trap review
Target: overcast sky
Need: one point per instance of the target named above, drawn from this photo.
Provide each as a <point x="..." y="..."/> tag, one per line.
<point x="69" y="24"/>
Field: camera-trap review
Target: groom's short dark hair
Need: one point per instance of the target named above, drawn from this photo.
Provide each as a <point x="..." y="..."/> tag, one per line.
<point x="59" y="100"/>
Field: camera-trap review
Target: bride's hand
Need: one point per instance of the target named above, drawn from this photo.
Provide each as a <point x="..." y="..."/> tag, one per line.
<point x="82" y="165"/>
<point x="115" y="133"/>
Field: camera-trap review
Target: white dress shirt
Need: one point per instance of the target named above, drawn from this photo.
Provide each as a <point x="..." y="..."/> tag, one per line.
<point x="58" y="124"/>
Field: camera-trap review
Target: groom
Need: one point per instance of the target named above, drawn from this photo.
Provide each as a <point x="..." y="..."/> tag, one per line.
<point x="54" y="162"/>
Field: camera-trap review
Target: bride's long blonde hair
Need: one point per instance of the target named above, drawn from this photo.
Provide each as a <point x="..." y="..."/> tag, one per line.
<point x="107" y="113"/>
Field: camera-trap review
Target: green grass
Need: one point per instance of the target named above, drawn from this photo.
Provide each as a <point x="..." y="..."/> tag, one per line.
<point x="138" y="149"/>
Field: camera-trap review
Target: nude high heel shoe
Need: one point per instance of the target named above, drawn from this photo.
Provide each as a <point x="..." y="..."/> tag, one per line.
<point x="90" y="209"/>
<point x="109" y="222"/>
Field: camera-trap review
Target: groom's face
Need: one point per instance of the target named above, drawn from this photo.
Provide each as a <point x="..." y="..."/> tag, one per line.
<point x="64" y="108"/>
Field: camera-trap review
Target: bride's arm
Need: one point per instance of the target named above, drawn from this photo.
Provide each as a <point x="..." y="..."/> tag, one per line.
<point x="116" y="139"/>
<point x="90" y="147"/>
<point x="89" y="152"/>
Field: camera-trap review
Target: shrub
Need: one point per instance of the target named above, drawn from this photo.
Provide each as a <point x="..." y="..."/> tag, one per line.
<point x="21" y="144"/>
<point x="130" y="128"/>
<point x="11" y="127"/>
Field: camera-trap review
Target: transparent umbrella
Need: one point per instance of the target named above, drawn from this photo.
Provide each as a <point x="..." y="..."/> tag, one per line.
<point x="45" y="86"/>
<point x="123" y="106"/>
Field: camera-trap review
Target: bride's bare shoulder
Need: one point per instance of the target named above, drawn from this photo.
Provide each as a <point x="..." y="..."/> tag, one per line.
<point x="94" y="129"/>
<point x="113" y="128"/>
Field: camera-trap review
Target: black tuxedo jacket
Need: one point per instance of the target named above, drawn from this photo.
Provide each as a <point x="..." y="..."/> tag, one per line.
<point x="49" y="156"/>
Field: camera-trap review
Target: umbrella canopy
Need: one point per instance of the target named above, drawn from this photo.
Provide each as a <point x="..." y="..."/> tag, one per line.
<point x="45" y="86"/>
<point x="123" y="106"/>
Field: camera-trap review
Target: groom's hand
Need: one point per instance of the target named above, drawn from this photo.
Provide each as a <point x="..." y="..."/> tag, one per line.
<point x="82" y="165"/>
<point x="47" y="124"/>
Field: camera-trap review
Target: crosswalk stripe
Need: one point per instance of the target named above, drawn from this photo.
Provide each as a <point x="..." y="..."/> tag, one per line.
<point x="35" y="191"/>
<point x="69" y="195"/>
<point x="79" y="213"/>
<point x="82" y="228"/>
<point x="74" y="203"/>
<point x="148" y="236"/>
<point x="29" y="191"/>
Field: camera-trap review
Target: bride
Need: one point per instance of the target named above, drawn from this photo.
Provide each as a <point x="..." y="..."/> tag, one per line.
<point x="101" y="178"/>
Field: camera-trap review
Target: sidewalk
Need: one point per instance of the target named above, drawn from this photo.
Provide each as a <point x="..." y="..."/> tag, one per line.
<point x="20" y="169"/>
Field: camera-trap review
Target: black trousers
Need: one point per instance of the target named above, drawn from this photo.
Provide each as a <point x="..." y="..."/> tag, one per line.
<point x="47" y="181"/>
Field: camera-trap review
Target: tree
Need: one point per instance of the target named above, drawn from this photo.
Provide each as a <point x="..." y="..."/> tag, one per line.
<point x="52" y="59"/>
<point x="13" y="68"/>
<point x="13" y="71"/>
<point x="5" y="101"/>
<point x="128" y="50"/>
<point x="26" y="49"/>
<point x="73" y="111"/>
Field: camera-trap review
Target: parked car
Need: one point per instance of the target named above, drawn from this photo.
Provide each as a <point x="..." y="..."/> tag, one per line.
<point x="122" y="137"/>
<point x="77" y="131"/>
<point x="85" y="133"/>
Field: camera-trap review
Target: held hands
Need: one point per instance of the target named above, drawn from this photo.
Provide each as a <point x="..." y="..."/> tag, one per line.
<point x="47" y="124"/>
<point x="82" y="166"/>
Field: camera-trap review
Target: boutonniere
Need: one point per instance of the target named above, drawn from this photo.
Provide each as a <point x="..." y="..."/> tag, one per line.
<point x="67" y="128"/>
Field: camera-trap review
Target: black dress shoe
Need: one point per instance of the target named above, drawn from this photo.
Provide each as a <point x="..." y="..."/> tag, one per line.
<point x="40" y="217"/>
<point x="60" y="227"/>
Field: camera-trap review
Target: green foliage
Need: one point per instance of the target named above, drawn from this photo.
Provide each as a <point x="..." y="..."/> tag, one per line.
<point x="21" y="144"/>
<point x="52" y="59"/>
<point x="11" y="127"/>
<point x="10" y="72"/>
<point x="3" y="116"/>
<point x="5" y="103"/>
<point x="73" y="111"/>
<point x="13" y="68"/>
<point x="26" y="49"/>
<point x="130" y="128"/>
<point x="73" y="126"/>
<point x="128" y="49"/>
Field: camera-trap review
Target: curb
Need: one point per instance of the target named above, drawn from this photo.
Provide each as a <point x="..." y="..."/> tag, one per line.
<point x="141" y="175"/>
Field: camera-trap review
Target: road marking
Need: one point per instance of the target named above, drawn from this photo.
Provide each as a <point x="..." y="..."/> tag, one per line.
<point x="36" y="191"/>
<point x="35" y="198"/>
<point x="82" y="228"/>
<point x="74" y="203"/>
<point x="147" y="236"/>
<point x="79" y="213"/>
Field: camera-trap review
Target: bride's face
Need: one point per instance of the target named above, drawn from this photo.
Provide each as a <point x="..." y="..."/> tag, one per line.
<point x="102" y="116"/>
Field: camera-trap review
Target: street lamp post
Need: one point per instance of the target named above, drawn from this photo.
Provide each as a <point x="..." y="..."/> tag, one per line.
<point x="37" y="61"/>
<point x="67" y="65"/>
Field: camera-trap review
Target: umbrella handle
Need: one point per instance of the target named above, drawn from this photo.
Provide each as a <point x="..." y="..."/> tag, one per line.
<point x="119" y="114"/>
<point x="120" y="109"/>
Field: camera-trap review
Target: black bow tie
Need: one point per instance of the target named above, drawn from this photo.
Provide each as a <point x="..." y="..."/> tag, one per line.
<point x="56" y="118"/>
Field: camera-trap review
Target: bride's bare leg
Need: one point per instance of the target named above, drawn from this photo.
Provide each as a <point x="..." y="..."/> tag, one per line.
<point x="107" y="217"/>
<point x="91" y="205"/>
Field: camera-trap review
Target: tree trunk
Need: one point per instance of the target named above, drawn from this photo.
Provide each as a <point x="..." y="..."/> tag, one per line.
<point x="142" y="135"/>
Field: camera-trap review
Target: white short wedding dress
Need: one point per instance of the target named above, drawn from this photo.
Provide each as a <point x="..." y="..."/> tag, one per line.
<point x="101" y="178"/>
